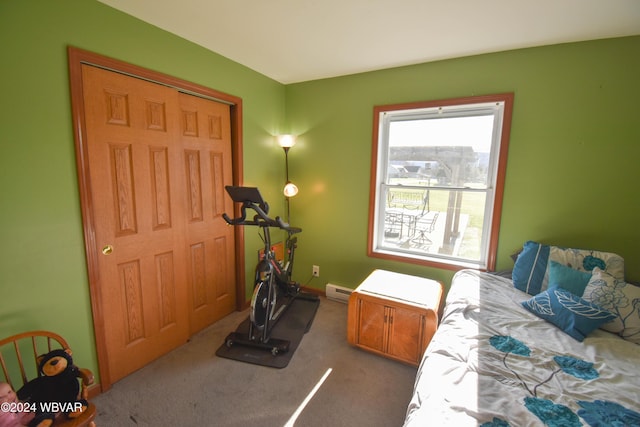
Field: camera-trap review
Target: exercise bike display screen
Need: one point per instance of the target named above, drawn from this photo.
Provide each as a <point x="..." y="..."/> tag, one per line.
<point x="245" y="194"/>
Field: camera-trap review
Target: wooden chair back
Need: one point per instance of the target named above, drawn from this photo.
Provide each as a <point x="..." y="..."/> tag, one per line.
<point x="19" y="363"/>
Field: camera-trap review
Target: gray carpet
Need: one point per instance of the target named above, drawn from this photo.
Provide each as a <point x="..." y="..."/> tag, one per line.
<point x="192" y="387"/>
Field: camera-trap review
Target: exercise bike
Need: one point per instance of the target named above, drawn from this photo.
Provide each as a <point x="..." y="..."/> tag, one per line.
<point x="274" y="290"/>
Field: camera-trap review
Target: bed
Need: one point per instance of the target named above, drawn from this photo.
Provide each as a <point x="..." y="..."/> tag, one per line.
<point x="495" y="361"/>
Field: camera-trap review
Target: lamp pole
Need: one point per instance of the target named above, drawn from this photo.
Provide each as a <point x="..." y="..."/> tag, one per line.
<point x="286" y="168"/>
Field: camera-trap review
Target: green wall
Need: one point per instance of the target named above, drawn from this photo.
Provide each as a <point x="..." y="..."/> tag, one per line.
<point x="43" y="276"/>
<point x="571" y="176"/>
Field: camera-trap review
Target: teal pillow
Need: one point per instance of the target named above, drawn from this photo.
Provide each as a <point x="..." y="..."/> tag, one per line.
<point x="573" y="315"/>
<point x="561" y="276"/>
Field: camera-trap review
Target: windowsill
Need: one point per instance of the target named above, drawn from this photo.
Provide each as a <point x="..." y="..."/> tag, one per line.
<point x="427" y="261"/>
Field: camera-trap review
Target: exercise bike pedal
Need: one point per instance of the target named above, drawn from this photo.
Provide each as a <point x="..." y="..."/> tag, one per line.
<point x="274" y="345"/>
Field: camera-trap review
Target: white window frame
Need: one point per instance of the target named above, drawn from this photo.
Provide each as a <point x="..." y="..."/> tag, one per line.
<point x="500" y="106"/>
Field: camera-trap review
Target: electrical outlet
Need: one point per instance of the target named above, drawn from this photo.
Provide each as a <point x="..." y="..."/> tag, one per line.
<point x="316" y="271"/>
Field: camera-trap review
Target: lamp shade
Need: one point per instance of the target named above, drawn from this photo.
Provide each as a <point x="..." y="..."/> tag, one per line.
<point x="290" y="189"/>
<point x="286" y="141"/>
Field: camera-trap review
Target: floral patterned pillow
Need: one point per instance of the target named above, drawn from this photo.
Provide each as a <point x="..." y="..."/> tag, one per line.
<point x="618" y="297"/>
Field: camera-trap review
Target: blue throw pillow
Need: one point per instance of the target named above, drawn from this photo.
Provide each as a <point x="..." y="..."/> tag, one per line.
<point x="561" y="276"/>
<point x="573" y="315"/>
<point x="531" y="267"/>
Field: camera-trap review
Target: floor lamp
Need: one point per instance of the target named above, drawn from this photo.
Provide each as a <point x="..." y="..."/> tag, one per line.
<point x="290" y="189"/>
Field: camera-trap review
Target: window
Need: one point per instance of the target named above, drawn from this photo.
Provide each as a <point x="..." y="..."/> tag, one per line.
<point x="437" y="180"/>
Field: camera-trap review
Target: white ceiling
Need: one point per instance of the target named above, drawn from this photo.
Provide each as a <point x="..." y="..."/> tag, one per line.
<point x="299" y="40"/>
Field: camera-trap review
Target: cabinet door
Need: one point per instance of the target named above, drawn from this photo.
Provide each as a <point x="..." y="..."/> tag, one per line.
<point x="372" y="325"/>
<point x="406" y="328"/>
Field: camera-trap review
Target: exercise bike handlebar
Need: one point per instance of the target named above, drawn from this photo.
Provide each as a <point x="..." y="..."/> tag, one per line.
<point x="283" y="225"/>
<point x="261" y="219"/>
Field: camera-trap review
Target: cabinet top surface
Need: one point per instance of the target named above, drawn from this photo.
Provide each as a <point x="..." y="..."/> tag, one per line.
<point x="404" y="287"/>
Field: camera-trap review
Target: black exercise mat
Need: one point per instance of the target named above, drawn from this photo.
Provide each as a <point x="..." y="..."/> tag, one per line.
<point x="292" y="326"/>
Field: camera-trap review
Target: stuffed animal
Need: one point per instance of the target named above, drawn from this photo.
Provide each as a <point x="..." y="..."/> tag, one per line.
<point x="55" y="390"/>
<point x="12" y="412"/>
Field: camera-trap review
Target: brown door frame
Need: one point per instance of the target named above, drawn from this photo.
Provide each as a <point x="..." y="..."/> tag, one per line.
<point x="77" y="57"/>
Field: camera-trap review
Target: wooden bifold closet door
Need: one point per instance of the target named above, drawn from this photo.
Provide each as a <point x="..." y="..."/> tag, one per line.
<point x="158" y="161"/>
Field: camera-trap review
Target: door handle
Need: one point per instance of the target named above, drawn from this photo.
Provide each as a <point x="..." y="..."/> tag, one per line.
<point x="106" y="250"/>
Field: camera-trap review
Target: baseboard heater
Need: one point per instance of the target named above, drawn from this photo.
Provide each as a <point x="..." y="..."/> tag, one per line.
<point x="338" y="293"/>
